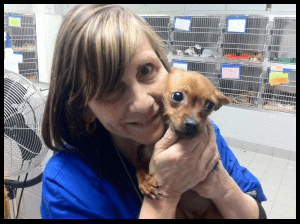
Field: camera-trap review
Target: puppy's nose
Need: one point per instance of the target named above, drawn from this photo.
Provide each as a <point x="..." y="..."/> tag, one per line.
<point x="191" y="127"/>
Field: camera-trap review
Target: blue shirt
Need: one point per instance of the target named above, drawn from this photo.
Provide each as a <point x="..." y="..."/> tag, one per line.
<point x="82" y="185"/>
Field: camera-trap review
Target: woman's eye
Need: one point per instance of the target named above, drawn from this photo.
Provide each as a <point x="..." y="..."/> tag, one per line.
<point x="147" y="69"/>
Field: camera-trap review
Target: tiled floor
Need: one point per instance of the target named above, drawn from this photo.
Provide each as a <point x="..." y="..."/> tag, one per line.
<point x="278" y="179"/>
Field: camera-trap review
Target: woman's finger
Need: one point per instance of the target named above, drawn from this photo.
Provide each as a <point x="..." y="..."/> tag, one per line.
<point x="169" y="139"/>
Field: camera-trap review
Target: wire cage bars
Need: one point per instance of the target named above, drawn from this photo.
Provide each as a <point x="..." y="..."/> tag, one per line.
<point x="23" y="111"/>
<point x="22" y="30"/>
<point x="208" y="69"/>
<point x="281" y="97"/>
<point x="161" y="26"/>
<point x="282" y="46"/>
<point x="244" y="90"/>
<point x="201" y="40"/>
<point x="247" y="45"/>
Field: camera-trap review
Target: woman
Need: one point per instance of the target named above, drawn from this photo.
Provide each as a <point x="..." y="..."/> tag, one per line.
<point x="104" y="102"/>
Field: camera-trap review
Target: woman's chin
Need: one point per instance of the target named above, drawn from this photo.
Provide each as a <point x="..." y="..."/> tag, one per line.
<point x="151" y="139"/>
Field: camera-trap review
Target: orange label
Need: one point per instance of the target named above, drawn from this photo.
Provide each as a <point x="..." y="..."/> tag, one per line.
<point x="278" y="78"/>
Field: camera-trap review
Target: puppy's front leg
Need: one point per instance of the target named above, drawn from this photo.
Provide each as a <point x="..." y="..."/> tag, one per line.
<point x="147" y="183"/>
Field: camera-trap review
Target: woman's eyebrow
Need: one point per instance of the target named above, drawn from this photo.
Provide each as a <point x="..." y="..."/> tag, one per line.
<point x="148" y="60"/>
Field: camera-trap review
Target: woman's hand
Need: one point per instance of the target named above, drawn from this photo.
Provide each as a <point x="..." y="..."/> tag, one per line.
<point x="215" y="185"/>
<point x="180" y="164"/>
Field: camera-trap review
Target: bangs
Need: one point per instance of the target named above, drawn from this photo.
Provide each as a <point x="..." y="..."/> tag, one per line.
<point x="110" y="42"/>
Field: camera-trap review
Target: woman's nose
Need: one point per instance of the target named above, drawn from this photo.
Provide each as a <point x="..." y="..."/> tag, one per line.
<point x="140" y="101"/>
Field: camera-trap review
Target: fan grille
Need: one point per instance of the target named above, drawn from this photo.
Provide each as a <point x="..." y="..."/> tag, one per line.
<point x="23" y="112"/>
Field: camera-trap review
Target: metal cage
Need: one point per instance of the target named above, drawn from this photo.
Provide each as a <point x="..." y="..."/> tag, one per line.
<point x="281" y="97"/>
<point x="207" y="69"/>
<point x="202" y="39"/>
<point x="249" y="45"/>
<point x="160" y="24"/>
<point x="23" y="41"/>
<point x="282" y="46"/>
<point x="243" y="91"/>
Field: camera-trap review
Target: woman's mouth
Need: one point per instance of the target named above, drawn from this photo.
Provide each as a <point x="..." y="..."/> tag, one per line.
<point x="144" y="123"/>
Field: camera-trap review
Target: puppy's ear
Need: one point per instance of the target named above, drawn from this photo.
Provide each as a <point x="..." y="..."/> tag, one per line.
<point x="221" y="100"/>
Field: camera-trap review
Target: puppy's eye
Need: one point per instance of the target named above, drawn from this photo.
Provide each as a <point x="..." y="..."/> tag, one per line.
<point x="209" y="106"/>
<point x="177" y="97"/>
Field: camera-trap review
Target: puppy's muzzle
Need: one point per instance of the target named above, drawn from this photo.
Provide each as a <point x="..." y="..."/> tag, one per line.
<point x="190" y="128"/>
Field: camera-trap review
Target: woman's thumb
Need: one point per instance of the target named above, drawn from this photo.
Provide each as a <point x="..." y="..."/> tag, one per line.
<point x="167" y="140"/>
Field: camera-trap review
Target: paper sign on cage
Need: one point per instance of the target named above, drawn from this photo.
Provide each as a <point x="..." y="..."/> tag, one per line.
<point x="14" y="21"/>
<point x="19" y="56"/>
<point x="236" y="24"/>
<point x="279" y="75"/>
<point x="180" y="64"/>
<point x="278" y="78"/>
<point x="231" y="72"/>
<point x="183" y="23"/>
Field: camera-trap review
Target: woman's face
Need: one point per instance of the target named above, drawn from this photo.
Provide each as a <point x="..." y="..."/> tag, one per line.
<point x="133" y="110"/>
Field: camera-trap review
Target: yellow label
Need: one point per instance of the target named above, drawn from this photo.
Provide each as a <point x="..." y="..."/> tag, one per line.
<point x="278" y="78"/>
<point x="14" y="22"/>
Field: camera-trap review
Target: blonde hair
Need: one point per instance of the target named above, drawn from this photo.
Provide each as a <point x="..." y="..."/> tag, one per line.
<point x="94" y="46"/>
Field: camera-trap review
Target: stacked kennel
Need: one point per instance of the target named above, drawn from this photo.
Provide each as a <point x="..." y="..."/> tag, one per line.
<point x="241" y="90"/>
<point x="282" y="47"/>
<point x="234" y="52"/>
<point x="282" y="53"/>
<point x="22" y="30"/>
<point x="208" y="69"/>
<point x="161" y="26"/>
<point x="241" y="83"/>
<point x="196" y="36"/>
<point x="244" y="38"/>
<point x="280" y="97"/>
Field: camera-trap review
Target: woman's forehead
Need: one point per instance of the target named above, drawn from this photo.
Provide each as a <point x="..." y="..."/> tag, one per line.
<point x="144" y="54"/>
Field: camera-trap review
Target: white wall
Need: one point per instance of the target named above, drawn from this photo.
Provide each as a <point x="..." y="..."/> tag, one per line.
<point x="215" y="9"/>
<point x="48" y="21"/>
<point x="266" y="132"/>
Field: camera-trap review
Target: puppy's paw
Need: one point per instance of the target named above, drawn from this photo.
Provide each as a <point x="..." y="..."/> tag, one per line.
<point x="148" y="185"/>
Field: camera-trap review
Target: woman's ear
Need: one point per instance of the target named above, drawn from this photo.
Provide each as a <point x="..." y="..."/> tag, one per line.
<point x="90" y="119"/>
<point x="88" y="115"/>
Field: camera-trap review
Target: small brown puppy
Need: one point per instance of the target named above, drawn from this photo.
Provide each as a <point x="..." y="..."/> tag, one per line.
<point x="189" y="98"/>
